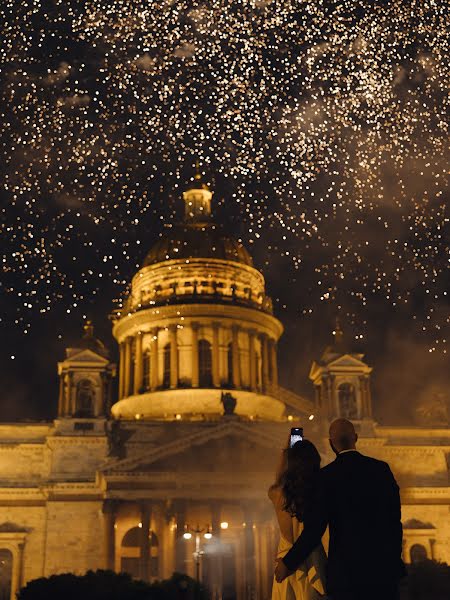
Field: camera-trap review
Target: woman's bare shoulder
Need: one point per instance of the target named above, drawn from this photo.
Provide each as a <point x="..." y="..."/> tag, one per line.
<point x="275" y="493"/>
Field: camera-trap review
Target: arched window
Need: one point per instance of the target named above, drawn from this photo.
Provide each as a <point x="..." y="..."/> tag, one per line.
<point x="85" y="399"/>
<point x="230" y="363"/>
<point x="132" y="538"/>
<point x="204" y="364"/>
<point x="166" y="366"/>
<point x="347" y="401"/>
<point x="146" y="370"/>
<point x="6" y="560"/>
<point x="418" y="553"/>
<point x="131" y="553"/>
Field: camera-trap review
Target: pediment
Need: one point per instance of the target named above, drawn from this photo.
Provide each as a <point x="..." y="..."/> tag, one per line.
<point x="86" y="356"/>
<point x="225" y="448"/>
<point x="348" y="360"/>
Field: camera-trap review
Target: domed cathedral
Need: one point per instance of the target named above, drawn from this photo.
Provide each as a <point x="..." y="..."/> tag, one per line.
<point x="172" y="474"/>
<point x="197" y="326"/>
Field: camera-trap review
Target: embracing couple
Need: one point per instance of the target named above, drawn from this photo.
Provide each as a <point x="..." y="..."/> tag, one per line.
<point x="357" y="499"/>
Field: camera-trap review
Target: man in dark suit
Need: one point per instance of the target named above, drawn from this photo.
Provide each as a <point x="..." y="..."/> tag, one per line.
<point x="358" y="498"/>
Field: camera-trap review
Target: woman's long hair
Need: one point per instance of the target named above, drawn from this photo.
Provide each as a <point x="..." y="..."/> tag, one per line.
<point x="299" y="479"/>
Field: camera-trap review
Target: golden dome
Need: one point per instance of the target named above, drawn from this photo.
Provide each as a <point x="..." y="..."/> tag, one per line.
<point x="197" y="240"/>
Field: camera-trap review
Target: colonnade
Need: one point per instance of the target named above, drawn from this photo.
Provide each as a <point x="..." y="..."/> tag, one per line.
<point x="259" y="345"/>
<point x="252" y="538"/>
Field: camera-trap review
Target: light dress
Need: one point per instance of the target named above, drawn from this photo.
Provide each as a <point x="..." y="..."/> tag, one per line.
<point x="307" y="583"/>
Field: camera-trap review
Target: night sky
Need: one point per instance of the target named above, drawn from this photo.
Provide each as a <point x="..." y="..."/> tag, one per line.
<point x="322" y="128"/>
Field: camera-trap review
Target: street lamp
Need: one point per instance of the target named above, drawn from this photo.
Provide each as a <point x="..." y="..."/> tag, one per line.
<point x="198" y="552"/>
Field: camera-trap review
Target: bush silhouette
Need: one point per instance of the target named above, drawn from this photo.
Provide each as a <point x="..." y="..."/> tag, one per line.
<point x="428" y="580"/>
<point x="107" y="585"/>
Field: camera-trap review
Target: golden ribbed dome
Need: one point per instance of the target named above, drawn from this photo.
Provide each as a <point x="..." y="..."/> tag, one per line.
<point x="197" y="240"/>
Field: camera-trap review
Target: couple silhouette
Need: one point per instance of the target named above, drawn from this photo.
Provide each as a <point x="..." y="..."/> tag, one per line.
<point x="354" y="501"/>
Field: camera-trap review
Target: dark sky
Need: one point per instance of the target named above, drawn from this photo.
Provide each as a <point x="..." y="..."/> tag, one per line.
<point x="321" y="127"/>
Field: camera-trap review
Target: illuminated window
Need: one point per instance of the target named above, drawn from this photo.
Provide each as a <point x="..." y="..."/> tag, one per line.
<point x="131" y="552"/>
<point x="146" y="370"/>
<point x="230" y="363"/>
<point x="166" y="366"/>
<point x="205" y="363"/>
<point x="418" y="553"/>
<point x="85" y="399"/>
<point x="347" y="401"/>
<point x="6" y="560"/>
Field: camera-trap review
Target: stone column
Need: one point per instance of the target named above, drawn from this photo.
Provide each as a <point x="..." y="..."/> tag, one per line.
<point x="317" y="396"/>
<point x="195" y="373"/>
<point x="334" y="399"/>
<point x="273" y="362"/>
<point x="252" y="358"/>
<point x="154" y="359"/>
<point x="368" y="397"/>
<point x="109" y="520"/>
<point x="265" y="362"/>
<point x="173" y="356"/>
<point x="235" y="352"/>
<point x="127" y="368"/>
<point x="180" y="546"/>
<point x="61" y="395"/>
<point x="138" y="366"/>
<point x="71" y="399"/>
<point x="215" y="355"/>
<point x="145" y="542"/>
<point x="216" y="558"/>
<point x="17" y="558"/>
<point x="121" y="369"/>
<point x="250" y="558"/>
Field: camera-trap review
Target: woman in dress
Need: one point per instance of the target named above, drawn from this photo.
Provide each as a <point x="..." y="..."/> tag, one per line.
<point x="291" y="495"/>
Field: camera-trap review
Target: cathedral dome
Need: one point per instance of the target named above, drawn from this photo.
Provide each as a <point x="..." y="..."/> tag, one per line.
<point x="197" y="240"/>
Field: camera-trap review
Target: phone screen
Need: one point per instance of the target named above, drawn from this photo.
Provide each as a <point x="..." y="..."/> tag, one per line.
<point x="296" y="436"/>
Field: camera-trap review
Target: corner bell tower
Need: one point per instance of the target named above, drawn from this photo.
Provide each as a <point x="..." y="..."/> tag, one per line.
<point x="341" y="380"/>
<point x="85" y="378"/>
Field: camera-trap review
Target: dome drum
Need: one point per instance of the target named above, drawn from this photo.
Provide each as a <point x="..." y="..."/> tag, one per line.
<point x="196" y="347"/>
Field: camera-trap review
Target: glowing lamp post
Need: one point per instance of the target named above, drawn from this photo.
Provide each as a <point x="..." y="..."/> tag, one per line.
<point x="198" y="552"/>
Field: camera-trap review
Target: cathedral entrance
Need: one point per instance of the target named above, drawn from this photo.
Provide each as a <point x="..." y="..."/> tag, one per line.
<point x="131" y="560"/>
<point x="6" y="560"/>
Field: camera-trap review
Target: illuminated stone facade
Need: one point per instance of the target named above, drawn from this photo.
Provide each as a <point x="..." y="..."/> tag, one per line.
<point x="195" y="432"/>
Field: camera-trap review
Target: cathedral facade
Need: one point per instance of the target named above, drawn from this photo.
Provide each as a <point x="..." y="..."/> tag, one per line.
<point x="172" y="474"/>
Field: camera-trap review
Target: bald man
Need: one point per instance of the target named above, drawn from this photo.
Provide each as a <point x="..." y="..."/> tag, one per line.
<point x="358" y="498"/>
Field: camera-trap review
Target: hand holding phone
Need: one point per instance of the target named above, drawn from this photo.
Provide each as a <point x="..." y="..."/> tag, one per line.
<point x="296" y="436"/>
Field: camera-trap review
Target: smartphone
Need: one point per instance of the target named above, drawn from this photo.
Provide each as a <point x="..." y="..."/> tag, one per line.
<point x="296" y="436"/>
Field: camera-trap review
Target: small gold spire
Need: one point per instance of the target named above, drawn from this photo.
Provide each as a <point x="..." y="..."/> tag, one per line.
<point x="197" y="175"/>
<point x="338" y="333"/>
<point x="88" y="329"/>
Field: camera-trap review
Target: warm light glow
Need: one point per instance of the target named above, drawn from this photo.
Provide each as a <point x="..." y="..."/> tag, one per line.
<point x="178" y="417"/>
<point x="187" y="535"/>
<point x="290" y="418"/>
<point x="208" y="535"/>
<point x="137" y="416"/>
<point x="140" y="525"/>
<point x="311" y="417"/>
<point x="224" y="525"/>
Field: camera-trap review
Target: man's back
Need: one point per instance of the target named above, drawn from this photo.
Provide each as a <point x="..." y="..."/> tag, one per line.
<point x="362" y="502"/>
<point x="359" y="499"/>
